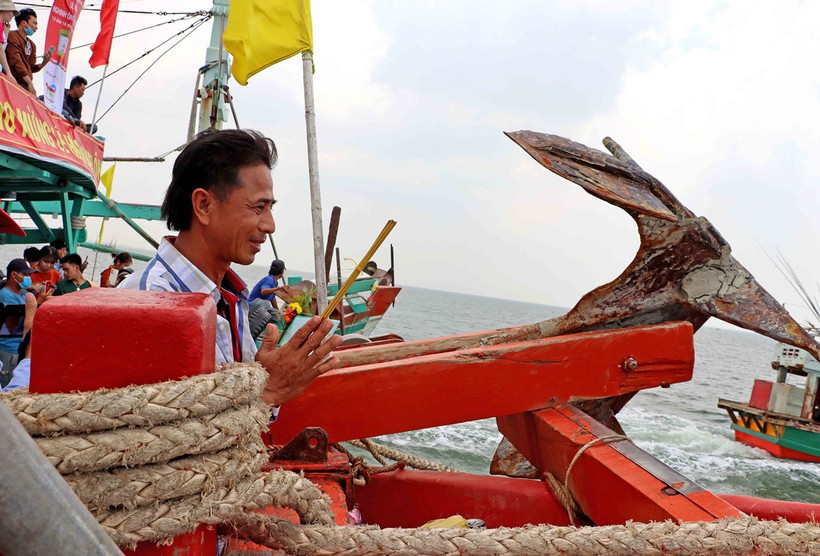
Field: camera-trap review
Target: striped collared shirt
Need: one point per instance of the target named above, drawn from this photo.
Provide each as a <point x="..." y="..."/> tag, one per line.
<point x="170" y="271"/>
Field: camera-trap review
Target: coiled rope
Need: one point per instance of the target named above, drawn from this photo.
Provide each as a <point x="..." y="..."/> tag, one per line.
<point x="197" y="443"/>
<point x="727" y="536"/>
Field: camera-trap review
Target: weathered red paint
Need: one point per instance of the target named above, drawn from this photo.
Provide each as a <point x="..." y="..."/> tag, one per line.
<point x="764" y="508"/>
<point x="337" y="506"/>
<point x="761" y="392"/>
<point x="472" y="384"/>
<point x="108" y="338"/>
<point x="408" y="498"/>
<point x="377" y="304"/>
<point x="200" y="542"/>
<point x="101" y="337"/>
<point x="609" y="487"/>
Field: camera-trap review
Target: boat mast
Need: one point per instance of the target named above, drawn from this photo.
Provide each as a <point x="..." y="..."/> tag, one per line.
<point x="211" y="97"/>
<point x="213" y="75"/>
<point x="315" y="192"/>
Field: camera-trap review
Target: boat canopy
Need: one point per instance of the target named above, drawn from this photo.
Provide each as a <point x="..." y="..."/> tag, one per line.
<point x="49" y="166"/>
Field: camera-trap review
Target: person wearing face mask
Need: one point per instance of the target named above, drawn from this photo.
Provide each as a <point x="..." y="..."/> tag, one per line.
<point x="21" y="52"/>
<point x="18" y="279"/>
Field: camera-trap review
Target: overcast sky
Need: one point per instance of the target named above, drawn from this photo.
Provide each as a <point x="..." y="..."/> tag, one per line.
<point x="718" y="100"/>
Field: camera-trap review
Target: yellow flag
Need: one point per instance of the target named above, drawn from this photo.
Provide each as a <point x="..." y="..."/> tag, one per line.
<point x="107" y="179"/>
<point x="261" y="33"/>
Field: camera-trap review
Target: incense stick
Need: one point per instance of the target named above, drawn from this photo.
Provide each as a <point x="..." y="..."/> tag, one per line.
<point x="337" y="299"/>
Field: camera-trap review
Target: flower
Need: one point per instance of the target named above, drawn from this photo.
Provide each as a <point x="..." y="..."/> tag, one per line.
<point x="288" y="314"/>
<point x="296" y="307"/>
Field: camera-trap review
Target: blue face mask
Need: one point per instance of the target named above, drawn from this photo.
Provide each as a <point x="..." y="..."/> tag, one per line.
<point x="28" y="31"/>
<point x="26" y="283"/>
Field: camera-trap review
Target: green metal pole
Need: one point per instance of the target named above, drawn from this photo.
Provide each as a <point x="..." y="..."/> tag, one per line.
<point x="113" y="206"/>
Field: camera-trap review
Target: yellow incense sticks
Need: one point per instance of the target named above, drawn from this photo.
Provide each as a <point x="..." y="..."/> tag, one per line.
<point x="337" y="299"/>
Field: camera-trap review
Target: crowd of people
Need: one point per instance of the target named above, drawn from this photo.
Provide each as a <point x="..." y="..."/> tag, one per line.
<point x="18" y="59"/>
<point x="30" y="281"/>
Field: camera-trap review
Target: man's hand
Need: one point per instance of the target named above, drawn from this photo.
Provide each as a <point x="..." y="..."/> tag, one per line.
<point x="43" y="295"/>
<point x="293" y="366"/>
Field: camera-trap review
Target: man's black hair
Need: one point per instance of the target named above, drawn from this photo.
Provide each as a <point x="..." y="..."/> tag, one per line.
<point x="212" y="162"/>
<point x="24" y="15"/>
<point x="72" y="258"/>
<point x="32" y="255"/>
<point x="77" y="80"/>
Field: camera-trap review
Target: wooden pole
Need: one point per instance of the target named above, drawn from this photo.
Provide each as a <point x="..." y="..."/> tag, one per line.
<point x="392" y="270"/>
<point x="339" y="282"/>
<point x="315" y="194"/>
<point x="331" y="237"/>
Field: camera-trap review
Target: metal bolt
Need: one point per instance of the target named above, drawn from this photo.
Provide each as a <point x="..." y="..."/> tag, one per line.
<point x="629" y="364"/>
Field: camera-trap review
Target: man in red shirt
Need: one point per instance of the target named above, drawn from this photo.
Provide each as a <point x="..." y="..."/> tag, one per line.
<point x="21" y="52"/>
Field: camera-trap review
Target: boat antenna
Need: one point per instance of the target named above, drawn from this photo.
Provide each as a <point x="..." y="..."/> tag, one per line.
<point x="193" y="27"/>
<point x="791" y="276"/>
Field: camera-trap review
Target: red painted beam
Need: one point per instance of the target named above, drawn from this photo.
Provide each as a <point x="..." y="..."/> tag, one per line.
<point x="772" y="510"/>
<point x="612" y="483"/>
<point x="410" y="498"/>
<point x="466" y="385"/>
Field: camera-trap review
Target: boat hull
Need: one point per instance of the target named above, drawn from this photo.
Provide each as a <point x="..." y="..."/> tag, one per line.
<point x="792" y="445"/>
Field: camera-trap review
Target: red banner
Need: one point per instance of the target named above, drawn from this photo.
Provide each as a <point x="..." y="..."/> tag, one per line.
<point x="61" y="22"/>
<point x="27" y="127"/>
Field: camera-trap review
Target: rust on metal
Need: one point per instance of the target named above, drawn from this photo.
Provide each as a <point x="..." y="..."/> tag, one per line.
<point x="683" y="270"/>
<point x="309" y="445"/>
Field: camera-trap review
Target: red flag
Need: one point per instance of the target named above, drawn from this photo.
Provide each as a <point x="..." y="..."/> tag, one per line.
<point x="101" y="49"/>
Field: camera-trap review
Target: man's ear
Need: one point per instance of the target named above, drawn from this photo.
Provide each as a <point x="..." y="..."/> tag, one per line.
<point x="202" y="203"/>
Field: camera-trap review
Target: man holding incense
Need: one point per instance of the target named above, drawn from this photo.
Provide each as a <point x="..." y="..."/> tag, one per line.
<point x="220" y="200"/>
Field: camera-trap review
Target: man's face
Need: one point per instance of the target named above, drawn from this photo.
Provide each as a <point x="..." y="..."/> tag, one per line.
<point x="62" y="252"/>
<point x="239" y="225"/>
<point x="77" y="91"/>
<point x="71" y="271"/>
<point x="30" y="22"/>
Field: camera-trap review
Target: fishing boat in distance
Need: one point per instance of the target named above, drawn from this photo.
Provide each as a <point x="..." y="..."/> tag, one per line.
<point x="782" y="418"/>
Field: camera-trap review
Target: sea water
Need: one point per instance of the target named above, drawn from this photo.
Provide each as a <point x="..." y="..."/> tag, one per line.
<point x="681" y="426"/>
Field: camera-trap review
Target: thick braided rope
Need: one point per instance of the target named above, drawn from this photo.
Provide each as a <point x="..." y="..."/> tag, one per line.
<point x="137" y="406"/>
<point x="168" y="519"/>
<point x="397" y="455"/>
<point x="727" y="536"/>
<point x="129" y="447"/>
<point x="131" y="487"/>
<point x="204" y="450"/>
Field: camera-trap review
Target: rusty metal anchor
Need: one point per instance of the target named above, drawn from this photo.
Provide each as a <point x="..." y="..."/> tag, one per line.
<point x="683" y="269"/>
